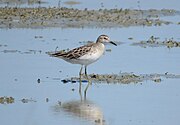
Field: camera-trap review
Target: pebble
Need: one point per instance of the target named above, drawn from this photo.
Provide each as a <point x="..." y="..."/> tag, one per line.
<point x="38" y="80"/>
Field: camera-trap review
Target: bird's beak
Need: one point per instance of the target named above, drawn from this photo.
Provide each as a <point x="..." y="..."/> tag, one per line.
<point x="113" y="43"/>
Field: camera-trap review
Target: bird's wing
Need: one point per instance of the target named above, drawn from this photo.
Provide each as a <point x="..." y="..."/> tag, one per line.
<point x="74" y="53"/>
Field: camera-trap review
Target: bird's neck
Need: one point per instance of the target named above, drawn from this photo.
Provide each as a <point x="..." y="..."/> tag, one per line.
<point x="100" y="45"/>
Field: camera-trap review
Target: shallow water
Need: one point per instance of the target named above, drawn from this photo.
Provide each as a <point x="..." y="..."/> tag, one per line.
<point x="149" y="103"/>
<point x="27" y="72"/>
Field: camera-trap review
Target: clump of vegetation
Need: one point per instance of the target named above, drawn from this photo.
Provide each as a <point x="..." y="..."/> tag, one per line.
<point x="6" y="100"/>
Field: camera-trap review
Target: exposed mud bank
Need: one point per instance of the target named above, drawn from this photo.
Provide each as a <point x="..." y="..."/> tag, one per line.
<point x="123" y="78"/>
<point x="69" y="17"/>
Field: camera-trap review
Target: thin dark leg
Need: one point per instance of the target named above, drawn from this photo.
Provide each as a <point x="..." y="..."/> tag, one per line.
<point x="86" y="71"/>
<point x="80" y="80"/>
<point x="89" y="82"/>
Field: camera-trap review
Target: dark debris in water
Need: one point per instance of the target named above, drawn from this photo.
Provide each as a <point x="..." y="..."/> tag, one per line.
<point x="10" y="100"/>
<point x="25" y="100"/>
<point x="3" y="45"/>
<point x="155" y="42"/>
<point x="38" y="80"/>
<point x="123" y="78"/>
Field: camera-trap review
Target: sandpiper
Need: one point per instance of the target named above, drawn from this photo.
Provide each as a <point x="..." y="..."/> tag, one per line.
<point x="85" y="55"/>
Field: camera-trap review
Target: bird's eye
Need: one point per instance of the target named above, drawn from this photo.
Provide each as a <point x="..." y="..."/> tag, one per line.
<point x="105" y="38"/>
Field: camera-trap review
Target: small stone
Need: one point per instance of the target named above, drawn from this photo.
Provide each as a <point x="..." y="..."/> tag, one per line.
<point x="98" y="121"/>
<point x="47" y="99"/>
<point x="157" y="79"/>
<point x="39" y="80"/>
<point x="73" y="81"/>
<point x="65" y="81"/>
<point x="130" y="38"/>
<point x="108" y="50"/>
<point x="24" y="100"/>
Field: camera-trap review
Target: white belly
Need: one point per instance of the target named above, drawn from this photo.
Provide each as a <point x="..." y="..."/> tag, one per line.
<point x="89" y="58"/>
<point x="92" y="56"/>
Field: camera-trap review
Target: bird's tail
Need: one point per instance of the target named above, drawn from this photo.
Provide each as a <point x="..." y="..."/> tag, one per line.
<point x="56" y="53"/>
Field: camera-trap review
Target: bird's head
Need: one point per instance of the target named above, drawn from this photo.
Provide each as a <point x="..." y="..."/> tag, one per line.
<point x="105" y="39"/>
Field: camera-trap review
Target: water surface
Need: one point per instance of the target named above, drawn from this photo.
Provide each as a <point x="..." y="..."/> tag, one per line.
<point x="23" y="62"/>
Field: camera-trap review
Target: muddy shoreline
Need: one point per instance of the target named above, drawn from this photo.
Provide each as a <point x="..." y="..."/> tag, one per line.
<point x="122" y="78"/>
<point x="68" y="17"/>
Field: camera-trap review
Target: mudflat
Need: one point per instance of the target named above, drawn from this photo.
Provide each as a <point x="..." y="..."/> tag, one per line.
<point x="13" y="17"/>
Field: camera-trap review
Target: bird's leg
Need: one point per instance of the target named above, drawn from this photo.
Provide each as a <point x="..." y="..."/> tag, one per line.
<point x="80" y="79"/>
<point x="89" y="82"/>
<point x="86" y="71"/>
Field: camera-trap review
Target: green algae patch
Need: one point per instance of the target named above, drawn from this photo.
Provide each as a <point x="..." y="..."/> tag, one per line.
<point x="6" y="100"/>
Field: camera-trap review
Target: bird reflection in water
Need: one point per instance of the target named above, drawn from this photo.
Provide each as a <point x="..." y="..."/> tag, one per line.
<point x="84" y="109"/>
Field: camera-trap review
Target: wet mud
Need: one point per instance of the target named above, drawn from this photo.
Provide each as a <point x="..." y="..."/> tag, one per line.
<point x="68" y="17"/>
<point x="122" y="78"/>
<point x="155" y="42"/>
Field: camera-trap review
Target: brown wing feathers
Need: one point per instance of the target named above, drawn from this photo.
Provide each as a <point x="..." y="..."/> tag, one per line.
<point x="73" y="54"/>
